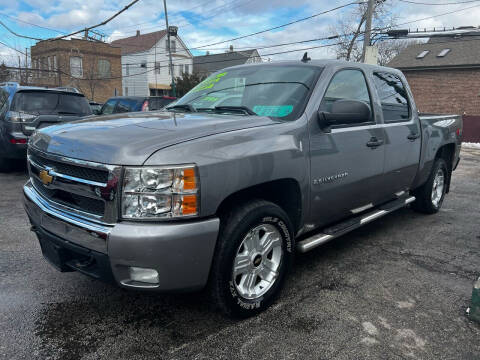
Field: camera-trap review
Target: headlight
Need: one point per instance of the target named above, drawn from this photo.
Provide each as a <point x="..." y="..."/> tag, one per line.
<point x="160" y="192"/>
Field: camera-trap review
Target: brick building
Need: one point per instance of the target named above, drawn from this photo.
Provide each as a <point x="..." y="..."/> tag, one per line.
<point x="444" y="74"/>
<point x="93" y="67"/>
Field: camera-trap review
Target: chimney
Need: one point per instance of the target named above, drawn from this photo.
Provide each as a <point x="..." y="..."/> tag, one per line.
<point x="231" y="48"/>
<point x="138" y="32"/>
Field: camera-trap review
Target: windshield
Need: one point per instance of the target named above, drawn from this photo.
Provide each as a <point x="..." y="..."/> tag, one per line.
<point x="280" y="91"/>
<point x="50" y="103"/>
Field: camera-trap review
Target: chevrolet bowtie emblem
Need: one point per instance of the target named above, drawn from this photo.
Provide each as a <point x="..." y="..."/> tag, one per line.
<point x="45" y="177"/>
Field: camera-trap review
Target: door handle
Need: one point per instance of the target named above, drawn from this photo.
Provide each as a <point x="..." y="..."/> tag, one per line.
<point x="374" y="143"/>
<point x="413" y="136"/>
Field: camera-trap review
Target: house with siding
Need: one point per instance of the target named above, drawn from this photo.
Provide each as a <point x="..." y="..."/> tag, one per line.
<point x="210" y="63"/>
<point x="145" y="63"/>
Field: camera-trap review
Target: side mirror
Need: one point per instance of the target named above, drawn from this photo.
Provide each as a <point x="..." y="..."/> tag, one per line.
<point x="345" y="112"/>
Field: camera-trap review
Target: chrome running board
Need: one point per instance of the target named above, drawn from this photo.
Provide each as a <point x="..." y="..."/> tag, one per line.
<point x="351" y="224"/>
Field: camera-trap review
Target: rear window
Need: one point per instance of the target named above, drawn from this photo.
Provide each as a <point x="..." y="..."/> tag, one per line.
<point x="128" y="105"/>
<point x="50" y="103"/>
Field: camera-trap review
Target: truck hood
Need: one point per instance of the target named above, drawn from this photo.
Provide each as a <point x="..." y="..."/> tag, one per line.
<point x="131" y="138"/>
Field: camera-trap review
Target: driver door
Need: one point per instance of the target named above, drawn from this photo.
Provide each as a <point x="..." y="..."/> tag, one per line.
<point x="346" y="172"/>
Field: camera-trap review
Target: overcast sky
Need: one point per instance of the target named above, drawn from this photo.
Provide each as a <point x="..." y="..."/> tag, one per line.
<point x="203" y="22"/>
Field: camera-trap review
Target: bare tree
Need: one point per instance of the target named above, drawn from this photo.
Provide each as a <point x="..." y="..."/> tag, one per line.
<point x="351" y="27"/>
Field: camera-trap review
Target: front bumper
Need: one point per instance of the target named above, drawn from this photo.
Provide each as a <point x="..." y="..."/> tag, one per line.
<point x="181" y="252"/>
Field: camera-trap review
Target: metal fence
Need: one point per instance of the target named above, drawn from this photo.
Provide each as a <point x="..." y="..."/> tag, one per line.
<point x="471" y="129"/>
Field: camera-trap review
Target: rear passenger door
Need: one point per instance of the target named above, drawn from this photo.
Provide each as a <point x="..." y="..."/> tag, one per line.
<point x="402" y="133"/>
<point x="346" y="174"/>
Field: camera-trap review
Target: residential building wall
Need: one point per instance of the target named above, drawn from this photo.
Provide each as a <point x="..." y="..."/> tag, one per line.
<point x="446" y="91"/>
<point x="143" y="64"/>
<point x="52" y="60"/>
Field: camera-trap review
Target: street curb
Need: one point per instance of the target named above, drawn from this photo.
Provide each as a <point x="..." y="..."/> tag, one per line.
<point x="474" y="310"/>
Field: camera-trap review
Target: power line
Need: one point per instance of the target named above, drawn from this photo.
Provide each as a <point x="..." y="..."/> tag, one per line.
<point x="273" y="28"/>
<point x="207" y="2"/>
<point x="19" y="35"/>
<point x="281" y="26"/>
<point x="100" y="24"/>
<point x="32" y="24"/>
<point x="429" y="17"/>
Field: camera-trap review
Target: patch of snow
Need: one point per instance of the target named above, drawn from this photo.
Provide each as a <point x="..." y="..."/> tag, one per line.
<point x="470" y="145"/>
<point x="370" y="328"/>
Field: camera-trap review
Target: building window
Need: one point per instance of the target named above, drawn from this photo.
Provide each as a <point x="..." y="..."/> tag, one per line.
<point x="55" y="65"/>
<point x="173" y="45"/>
<point x="187" y="70"/>
<point x="127" y="69"/>
<point x="157" y="67"/>
<point x="76" y="66"/>
<point x="443" y="52"/>
<point x="423" y="54"/>
<point x="104" y="68"/>
<point x="49" y="62"/>
<point x="126" y="90"/>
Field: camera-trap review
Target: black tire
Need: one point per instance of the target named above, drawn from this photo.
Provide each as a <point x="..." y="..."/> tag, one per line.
<point x="423" y="194"/>
<point x="235" y="225"/>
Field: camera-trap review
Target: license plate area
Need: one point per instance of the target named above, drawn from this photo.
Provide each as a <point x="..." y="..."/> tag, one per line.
<point x="55" y="255"/>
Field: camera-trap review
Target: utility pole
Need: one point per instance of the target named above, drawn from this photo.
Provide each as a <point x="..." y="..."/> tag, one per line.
<point x="174" y="92"/>
<point x="368" y="27"/>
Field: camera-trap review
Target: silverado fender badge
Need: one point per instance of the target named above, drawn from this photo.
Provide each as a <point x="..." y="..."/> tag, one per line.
<point x="45" y="177"/>
<point x="329" y="179"/>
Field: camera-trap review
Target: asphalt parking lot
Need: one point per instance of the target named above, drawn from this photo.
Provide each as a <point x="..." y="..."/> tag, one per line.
<point x="395" y="289"/>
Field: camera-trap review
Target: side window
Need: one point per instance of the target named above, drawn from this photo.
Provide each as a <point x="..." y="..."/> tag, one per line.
<point x="108" y="107"/>
<point x="347" y="84"/>
<point x="393" y="97"/>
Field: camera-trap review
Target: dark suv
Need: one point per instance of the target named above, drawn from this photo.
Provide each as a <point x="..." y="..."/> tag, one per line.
<point x="24" y="109"/>
<point x="122" y="104"/>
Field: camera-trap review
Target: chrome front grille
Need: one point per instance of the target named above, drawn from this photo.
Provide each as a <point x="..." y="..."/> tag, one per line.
<point x="81" y="188"/>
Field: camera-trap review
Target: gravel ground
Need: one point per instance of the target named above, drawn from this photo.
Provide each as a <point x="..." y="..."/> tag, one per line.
<point x="397" y="288"/>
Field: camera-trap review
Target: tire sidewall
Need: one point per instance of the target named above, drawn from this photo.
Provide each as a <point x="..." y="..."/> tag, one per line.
<point x="439" y="164"/>
<point x="267" y="214"/>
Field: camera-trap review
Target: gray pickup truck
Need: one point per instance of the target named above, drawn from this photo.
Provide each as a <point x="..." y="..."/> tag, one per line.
<point x="255" y="163"/>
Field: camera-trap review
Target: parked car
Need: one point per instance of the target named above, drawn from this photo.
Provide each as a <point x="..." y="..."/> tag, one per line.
<point x="95" y="107"/>
<point x="69" y="89"/>
<point x="25" y="109"/>
<point x="122" y="104"/>
<point x="226" y="195"/>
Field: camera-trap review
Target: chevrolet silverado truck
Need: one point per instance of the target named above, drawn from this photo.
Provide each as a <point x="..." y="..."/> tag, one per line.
<point x="220" y="190"/>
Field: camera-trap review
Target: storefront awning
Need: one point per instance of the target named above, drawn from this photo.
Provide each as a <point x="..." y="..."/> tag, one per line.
<point x="159" y="86"/>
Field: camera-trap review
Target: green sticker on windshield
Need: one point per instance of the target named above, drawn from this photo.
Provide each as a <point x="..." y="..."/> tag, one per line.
<point x="210" y="98"/>
<point x="208" y="83"/>
<point x="274" y="111"/>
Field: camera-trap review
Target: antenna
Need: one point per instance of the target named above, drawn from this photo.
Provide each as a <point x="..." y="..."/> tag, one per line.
<point x="305" y="58"/>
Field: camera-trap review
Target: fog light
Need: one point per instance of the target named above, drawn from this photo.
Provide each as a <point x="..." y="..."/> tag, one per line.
<point x="143" y="275"/>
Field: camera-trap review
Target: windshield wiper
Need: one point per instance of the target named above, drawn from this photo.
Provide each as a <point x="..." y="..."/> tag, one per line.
<point x="244" y="109"/>
<point x="188" y="107"/>
<point x="66" y="113"/>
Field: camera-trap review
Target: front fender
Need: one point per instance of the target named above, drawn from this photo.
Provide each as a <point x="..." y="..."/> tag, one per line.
<point x="233" y="161"/>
